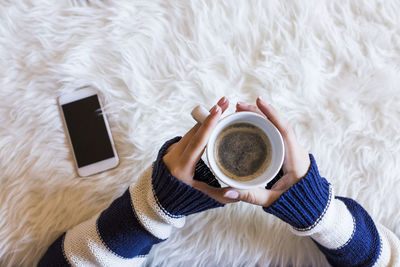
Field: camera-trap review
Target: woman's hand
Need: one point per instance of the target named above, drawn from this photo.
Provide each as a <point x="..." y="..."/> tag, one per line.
<point x="295" y="164"/>
<point x="181" y="158"/>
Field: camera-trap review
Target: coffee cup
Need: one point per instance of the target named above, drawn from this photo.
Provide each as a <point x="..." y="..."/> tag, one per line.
<point x="251" y="135"/>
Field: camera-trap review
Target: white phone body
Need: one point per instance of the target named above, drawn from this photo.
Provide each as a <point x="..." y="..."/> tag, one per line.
<point x="88" y="131"/>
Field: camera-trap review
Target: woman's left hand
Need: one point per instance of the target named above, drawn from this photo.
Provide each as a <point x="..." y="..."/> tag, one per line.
<point x="182" y="157"/>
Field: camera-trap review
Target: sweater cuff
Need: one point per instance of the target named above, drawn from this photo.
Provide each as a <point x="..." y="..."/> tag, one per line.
<point x="203" y="174"/>
<point x="175" y="197"/>
<point x="305" y="203"/>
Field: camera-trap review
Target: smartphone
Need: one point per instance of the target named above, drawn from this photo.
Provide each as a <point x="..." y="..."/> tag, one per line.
<point x="88" y="131"/>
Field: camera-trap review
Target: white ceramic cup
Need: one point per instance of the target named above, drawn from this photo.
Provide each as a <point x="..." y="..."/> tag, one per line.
<point x="277" y="146"/>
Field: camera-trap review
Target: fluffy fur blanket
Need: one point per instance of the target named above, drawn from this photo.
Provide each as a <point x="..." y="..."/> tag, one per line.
<point x="330" y="67"/>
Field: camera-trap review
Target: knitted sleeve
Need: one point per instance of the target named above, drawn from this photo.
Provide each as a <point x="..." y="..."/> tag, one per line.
<point x="341" y="228"/>
<point x="123" y="234"/>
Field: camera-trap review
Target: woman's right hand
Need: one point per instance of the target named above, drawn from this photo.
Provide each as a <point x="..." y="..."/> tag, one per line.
<point x="295" y="165"/>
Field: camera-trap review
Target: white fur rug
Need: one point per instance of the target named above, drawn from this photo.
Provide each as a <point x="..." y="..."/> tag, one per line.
<point x="331" y="67"/>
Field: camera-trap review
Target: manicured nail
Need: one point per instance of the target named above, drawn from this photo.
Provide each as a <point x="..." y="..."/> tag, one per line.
<point x="222" y="101"/>
<point x="261" y="100"/>
<point x="242" y="104"/>
<point x="231" y="194"/>
<point x="215" y="109"/>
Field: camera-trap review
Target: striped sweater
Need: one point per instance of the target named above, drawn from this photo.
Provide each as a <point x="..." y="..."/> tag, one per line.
<point x="123" y="234"/>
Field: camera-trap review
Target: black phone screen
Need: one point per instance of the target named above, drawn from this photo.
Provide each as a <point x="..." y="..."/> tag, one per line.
<point x="87" y="130"/>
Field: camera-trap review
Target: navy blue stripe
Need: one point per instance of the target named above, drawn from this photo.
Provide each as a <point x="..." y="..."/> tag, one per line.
<point x="304" y="203"/>
<point x="176" y="197"/>
<point x="122" y="232"/>
<point x="365" y="246"/>
<point x="203" y="174"/>
<point x="54" y="255"/>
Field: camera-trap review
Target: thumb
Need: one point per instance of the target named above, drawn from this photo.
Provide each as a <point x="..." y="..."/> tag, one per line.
<point x="256" y="196"/>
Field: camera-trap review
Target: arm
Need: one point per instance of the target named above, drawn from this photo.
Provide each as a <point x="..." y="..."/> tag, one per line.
<point x="124" y="233"/>
<point x="178" y="184"/>
<point x="341" y="228"/>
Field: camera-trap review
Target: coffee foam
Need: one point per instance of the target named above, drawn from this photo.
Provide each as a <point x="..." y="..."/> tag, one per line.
<point x="244" y="128"/>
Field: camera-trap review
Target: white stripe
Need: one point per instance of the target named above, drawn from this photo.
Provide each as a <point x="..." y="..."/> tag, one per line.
<point x="335" y="228"/>
<point x="83" y="247"/>
<point x="147" y="210"/>
<point x="309" y="228"/>
<point x="390" y="248"/>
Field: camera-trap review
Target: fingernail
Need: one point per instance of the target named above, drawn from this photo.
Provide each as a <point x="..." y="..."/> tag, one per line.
<point x="215" y="109"/>
<point x="242" y="104"/>
<point x="261" y="99"/>
<point x="231" y="194"/>
<point x="222" y="100"/>
<point x="262" y="102"/>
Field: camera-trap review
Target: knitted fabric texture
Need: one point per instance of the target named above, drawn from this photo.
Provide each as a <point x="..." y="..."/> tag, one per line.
<point x="125" y="232"/>
<point x="363" y="248"/>
<point x="345" y="234"/>
<point x="55" y="254"/>
<point x="302" y="204"/>
<point x="175" y="197"/>
<point x="121" y="216"/>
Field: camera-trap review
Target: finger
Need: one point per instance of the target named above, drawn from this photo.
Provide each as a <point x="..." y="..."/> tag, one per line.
<point x="181" y="145"/>
<point x="256" y="196"/>
<point x="223" y="103"/>
<point x="213" y="192"/>
<point x="241" y="106"/>
<point x="271" y="113"/>
<point x="195" y="147"/>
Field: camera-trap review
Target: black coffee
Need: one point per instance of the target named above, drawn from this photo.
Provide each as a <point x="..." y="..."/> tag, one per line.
<point x="243" y="151"/>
